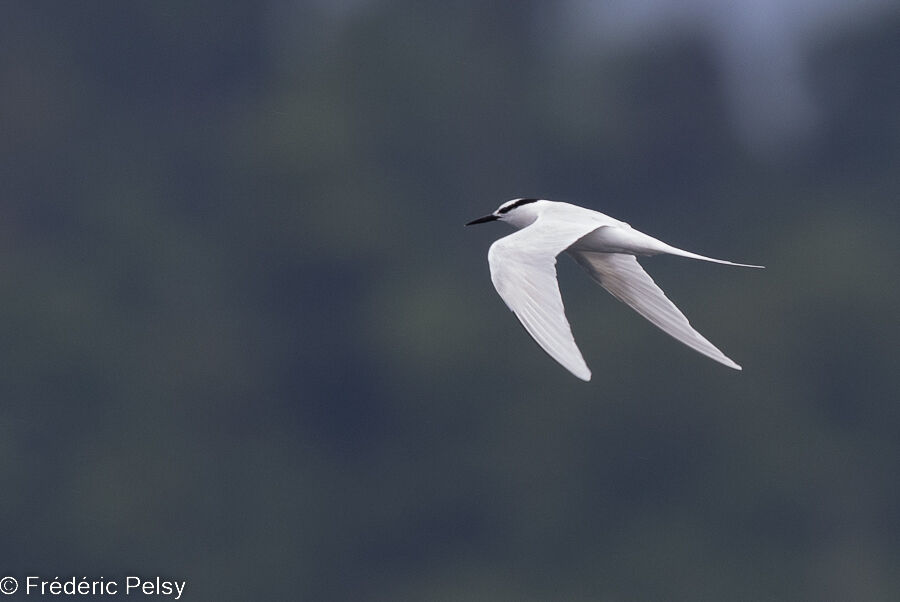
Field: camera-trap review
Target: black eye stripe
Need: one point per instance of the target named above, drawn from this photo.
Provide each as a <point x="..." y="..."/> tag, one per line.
<point x="517" y="203"/>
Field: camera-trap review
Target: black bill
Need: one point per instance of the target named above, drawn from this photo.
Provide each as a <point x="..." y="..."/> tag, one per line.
<point x="481" y="220"/>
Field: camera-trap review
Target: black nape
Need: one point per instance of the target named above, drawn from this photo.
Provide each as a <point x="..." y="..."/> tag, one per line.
<point x="516" y="203"/>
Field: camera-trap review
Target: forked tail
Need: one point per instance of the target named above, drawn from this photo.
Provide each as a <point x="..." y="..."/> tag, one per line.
<point x="675" y="251"/>
<point x="612" y="239"/>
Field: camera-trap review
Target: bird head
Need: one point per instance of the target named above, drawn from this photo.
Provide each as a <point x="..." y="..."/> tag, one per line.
<point x="517" y="212"/>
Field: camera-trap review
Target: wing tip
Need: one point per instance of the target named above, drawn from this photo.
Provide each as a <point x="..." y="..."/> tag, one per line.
<point x="581" y="372"/>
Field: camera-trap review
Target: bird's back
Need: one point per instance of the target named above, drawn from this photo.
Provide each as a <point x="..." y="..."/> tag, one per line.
<point x="567" y="212"/>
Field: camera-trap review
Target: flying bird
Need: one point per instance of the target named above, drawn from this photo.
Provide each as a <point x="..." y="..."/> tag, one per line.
<point x="523" y="270"/>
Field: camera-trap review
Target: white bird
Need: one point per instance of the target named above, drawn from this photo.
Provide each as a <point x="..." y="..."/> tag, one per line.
<point x="523" y="270"/>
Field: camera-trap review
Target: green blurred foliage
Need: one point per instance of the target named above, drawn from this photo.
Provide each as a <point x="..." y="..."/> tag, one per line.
<point x="249" y="344"/>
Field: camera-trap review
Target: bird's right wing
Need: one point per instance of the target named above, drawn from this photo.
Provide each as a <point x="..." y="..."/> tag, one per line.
<point x="626" y="280"/>
<point x="523" y="270"/>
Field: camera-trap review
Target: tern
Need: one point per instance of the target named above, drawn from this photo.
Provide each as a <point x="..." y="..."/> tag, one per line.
<point x="523" y="270"/>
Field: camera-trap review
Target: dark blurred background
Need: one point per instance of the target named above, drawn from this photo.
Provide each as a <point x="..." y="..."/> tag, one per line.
<point x="247" y="342"/>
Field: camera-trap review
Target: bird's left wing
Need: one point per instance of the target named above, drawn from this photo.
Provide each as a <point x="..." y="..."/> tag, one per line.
<point x="625" y="279"/>
<point x="523" y="270"/>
